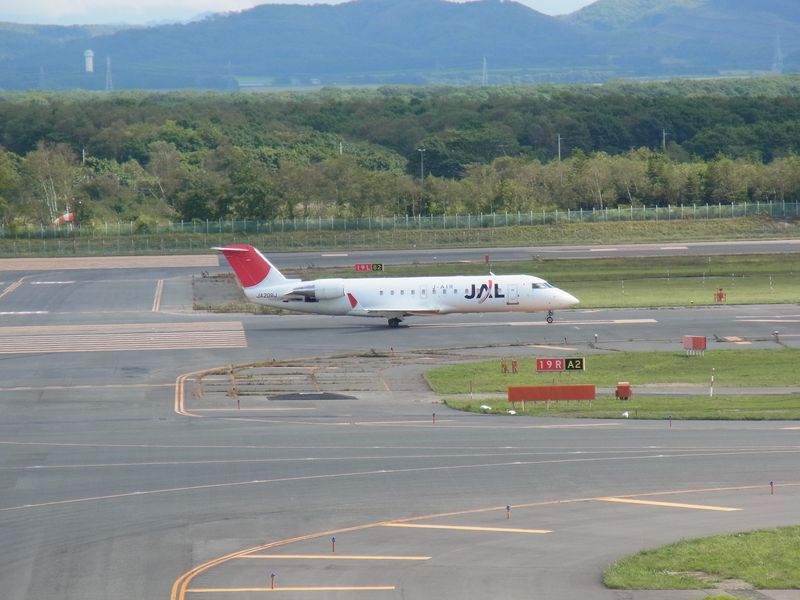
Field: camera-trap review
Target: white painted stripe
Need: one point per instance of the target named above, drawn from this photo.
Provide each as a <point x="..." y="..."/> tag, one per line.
<point x="157" y="298"/>
<point x="105" y="338"/>
<point x="604" y="250"/>
<point x="674" y="248"/>
<point x="24" y="312"/>
<point x="122" y="328"/>
<point x="51" y="282"/>
<point x="769" y="320"/>
<point x="334" y="255"/>
<point x="543" y="347"/>
<point x="12" y="287"/>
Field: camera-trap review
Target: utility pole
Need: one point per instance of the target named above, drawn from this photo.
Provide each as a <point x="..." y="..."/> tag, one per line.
<point x="664" y="140"/>
<point x="421" y="166"/>
<point x="559" y="147"/>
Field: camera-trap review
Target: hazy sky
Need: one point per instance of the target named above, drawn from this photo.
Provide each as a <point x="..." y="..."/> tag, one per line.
<point x="69" y="12"/>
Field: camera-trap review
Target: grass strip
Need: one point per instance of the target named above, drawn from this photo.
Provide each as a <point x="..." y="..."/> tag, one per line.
<point x="741" y="367"/>
<point x="767" y="559"/>
<point x="680" y="408"/>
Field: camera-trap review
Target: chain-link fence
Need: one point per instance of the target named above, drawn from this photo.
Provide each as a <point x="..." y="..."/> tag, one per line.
<point x="407" y="222"/>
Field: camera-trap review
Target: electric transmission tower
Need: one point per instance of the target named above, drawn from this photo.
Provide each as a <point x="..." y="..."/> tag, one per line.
<point x="109" y="80"/>
<point x="777" y="59"/>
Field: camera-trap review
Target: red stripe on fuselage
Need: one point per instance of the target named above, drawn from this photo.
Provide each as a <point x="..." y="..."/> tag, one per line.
<point x="352" y="299"/>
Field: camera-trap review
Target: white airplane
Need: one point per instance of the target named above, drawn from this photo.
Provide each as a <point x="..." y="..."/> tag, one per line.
<point x="392" y="297"/>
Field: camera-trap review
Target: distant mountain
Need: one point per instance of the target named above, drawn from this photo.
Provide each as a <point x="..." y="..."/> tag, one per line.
<point x="423" y="41"/>
<point x="19" y="40"/>
<point x="613" y="14"/>
<point x="695" y="37"/>
<point x="365" y="41"/>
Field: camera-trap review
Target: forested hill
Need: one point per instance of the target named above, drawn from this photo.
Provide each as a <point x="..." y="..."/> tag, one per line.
<point x="396" y="151"/>
<point x="421" y="41"/>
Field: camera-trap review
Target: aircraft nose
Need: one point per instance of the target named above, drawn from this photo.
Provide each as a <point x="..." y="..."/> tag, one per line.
<point x="568" y="299"/>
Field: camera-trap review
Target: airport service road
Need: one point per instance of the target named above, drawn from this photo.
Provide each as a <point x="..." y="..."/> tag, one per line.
<point x="105" y="492"/>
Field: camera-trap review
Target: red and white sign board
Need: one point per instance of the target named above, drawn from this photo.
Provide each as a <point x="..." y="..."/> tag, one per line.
<point x="549" y="364"/>
<point x="694" y="342"/>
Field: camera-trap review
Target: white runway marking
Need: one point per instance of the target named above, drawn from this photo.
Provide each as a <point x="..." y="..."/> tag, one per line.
<point x="12" y="287"/>
<point x="121" y="337"/>
<point x="51" y="282"/>
<point x="157" y="297"/>
<point x="543" y="347"/>
<point x="24" y="312"/>
<point x="777" y="321"/>
<point x="367" y="473"/>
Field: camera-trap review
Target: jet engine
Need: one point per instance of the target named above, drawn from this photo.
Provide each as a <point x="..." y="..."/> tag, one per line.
<point x="328" y="289"/>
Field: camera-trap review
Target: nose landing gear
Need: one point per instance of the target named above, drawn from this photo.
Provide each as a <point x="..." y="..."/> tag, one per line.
<point x="549" y="316"/>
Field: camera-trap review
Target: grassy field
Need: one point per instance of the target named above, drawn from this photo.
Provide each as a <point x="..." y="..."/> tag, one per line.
<point x="767" y="559"/>
<point x="746" y="368"/>
<point x="680" y="408"/>
<point x="732" y="368"/>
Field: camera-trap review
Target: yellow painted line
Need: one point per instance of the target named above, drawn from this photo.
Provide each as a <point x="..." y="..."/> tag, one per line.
<point x="335" y="557"/>
<point x="181" y="585"/>
<point x="373" y="588"/>
<point x="668" y="504"/>
<point x="465" y="528"/>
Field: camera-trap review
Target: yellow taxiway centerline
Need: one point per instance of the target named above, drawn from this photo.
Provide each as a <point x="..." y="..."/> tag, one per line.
<point x="465" y="528"/>
<point x="668" y="504"/>
<point x="335" y="557"/>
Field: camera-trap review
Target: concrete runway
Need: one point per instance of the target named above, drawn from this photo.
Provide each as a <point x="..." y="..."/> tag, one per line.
<point x="107" y="493"/>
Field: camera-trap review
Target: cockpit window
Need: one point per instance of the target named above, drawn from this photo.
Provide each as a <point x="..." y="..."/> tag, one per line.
<point x="541" y="286"/>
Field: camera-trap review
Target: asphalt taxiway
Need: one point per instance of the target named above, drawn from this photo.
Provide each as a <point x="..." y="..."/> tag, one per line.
<point x="107" y="492"/>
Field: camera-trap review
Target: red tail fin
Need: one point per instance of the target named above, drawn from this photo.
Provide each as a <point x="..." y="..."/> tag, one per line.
<point x="250" y="265"/>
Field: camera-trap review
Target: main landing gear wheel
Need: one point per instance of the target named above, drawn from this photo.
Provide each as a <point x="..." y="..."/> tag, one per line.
<point x="549" y="316"/>
<point x="394" y="322"/>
